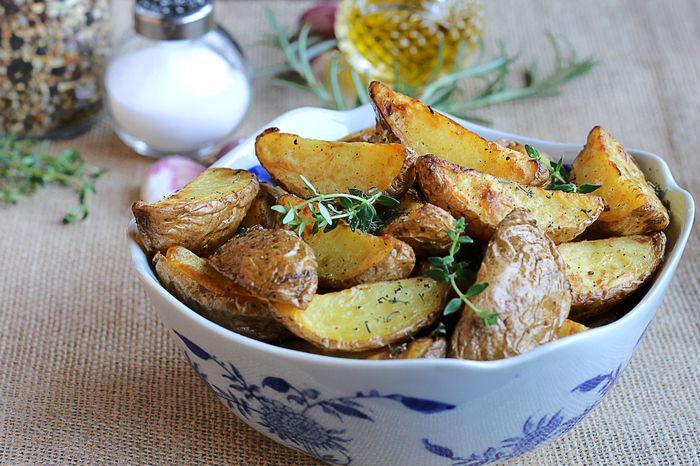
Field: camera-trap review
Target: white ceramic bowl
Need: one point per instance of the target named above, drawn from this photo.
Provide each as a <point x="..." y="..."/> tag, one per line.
<point x="415" y="411"/>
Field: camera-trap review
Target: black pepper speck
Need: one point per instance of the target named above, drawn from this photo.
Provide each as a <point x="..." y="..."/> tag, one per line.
<point x="19" y="71"/>
<point x="16" y="42"/>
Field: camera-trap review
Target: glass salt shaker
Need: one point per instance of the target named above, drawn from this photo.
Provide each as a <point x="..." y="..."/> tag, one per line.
<point x="178" y="84"/>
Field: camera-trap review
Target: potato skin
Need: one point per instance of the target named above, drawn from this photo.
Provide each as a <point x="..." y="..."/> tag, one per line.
<point x="633" y="207"/>
<point x="372" y="134"/>
<point x="273" y="264"/>
<point x="571" y="328"/>
<point x="201" y="216"/>
<point x="606" y="271"/>
<point x="194" y="282"/>
<point x="484" y="200"/>
<point x="546" y="159"/>
<point x="527" y="287"/>
<point x="421" y="348"/>
<point x="423" y="229"/>
<point x="417" y="126"/>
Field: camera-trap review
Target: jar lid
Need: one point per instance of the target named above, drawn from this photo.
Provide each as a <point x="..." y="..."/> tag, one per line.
<point x="173" y="19"/>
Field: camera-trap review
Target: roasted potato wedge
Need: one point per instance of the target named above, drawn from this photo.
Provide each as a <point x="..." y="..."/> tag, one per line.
<point x="271" y="191"/>
<point x="201" y="216"/>
<point x="272" y="264"/>
<point x="367" y="316"/>
<point x="347" y="258"/>
<point x="194" y="282"/>
<point x="421" y="348"/>
<point x="571" y="328"/>
<point x="373" y="134"/>
<point x="527" y="287"/>
<point x="259" y="213"/>
<point x="515" y="145"/>
<point x="633" y="207"/>
<point x="604" y="272"/>
<point x="333" y="166"/>
<point x="423" y="226"/>
<point x="484" y="200"/>
<point x="419" y="127"/>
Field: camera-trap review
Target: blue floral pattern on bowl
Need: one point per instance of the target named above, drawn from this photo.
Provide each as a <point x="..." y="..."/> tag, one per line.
<point x="533" y="432"/>
<point x="295" y="416"/>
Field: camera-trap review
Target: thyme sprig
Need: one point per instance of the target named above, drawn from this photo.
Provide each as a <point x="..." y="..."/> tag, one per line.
<point x="448" y="269"/>
<point x="25" y="166"/>
<point x="445" y="93"/>
<point x="559" y="176"/>
<point x="326" y="210"/>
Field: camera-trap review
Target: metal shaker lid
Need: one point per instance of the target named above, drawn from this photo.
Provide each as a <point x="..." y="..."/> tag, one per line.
<point x="173" y="19"/>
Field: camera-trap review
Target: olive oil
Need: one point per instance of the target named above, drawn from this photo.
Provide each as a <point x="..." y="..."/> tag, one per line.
<point x="381" y="38"/>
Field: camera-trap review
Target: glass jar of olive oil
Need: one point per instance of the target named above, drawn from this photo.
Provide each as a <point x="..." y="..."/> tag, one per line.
<point x="383" y="38"/>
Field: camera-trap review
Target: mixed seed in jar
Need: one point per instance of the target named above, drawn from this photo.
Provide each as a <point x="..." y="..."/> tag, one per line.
<point x="52" y="54"/>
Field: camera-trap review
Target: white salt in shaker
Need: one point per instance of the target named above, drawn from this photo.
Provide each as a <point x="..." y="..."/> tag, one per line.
<point x="178" y="84"/>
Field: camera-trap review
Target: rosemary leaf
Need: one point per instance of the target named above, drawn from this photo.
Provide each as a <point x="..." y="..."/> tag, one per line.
<point x="444" y="92"/>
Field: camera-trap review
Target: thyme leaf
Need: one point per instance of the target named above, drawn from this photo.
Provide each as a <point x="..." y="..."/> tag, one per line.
<point x="558" y="175"/>
<point x="356" y="208"/>
<point x="448" y="269"/>
<point x="25" y="166"/>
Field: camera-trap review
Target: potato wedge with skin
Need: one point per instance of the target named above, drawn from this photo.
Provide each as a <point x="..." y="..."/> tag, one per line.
<point x="421" y="348"/>
<point x="194" y="282"/>
<point x="515" y="145"/>
<point x="373" y="134"/>
<point x="347" y="258"/>
<point x="201" y="216"/>
<point x="259" y="213"/>
<point x="367" y="316"/>
<point x="271" y="191"/>
<point x="604" y="272"/>
<point x="272" y="264"/>
<point x="425" y="131"/>
<point x="571" y="328"/>
<point x="527" y="287"/>
<point x="423" y="228"/>
<point x="299" y="344"/>
<point x="333" y="166"/>
<point x="633" y="207"/>
<point x="484" y="200"/>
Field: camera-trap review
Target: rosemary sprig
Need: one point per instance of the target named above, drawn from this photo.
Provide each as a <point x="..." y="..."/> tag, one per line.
<point x="448" y="269"/>
<point x="24" y="167"/>
<point x="567" y="66"/>
<point x="356" y="208"/>
<point x="558" y="175"/>
<point x="444" y="93"/>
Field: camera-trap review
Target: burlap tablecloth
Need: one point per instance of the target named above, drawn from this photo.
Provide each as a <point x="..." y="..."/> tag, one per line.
<point x="89" y="374"/>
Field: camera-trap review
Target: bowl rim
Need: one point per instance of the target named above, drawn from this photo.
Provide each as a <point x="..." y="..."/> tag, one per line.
<point x="661" y="281"/>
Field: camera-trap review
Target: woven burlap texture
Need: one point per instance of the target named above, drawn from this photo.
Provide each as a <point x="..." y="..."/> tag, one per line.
<point x="90" y="375"/>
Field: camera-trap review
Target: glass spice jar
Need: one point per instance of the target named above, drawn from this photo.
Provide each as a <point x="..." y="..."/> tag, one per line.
<point x="52" y="53"/>
<point x="178" y="83"/>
